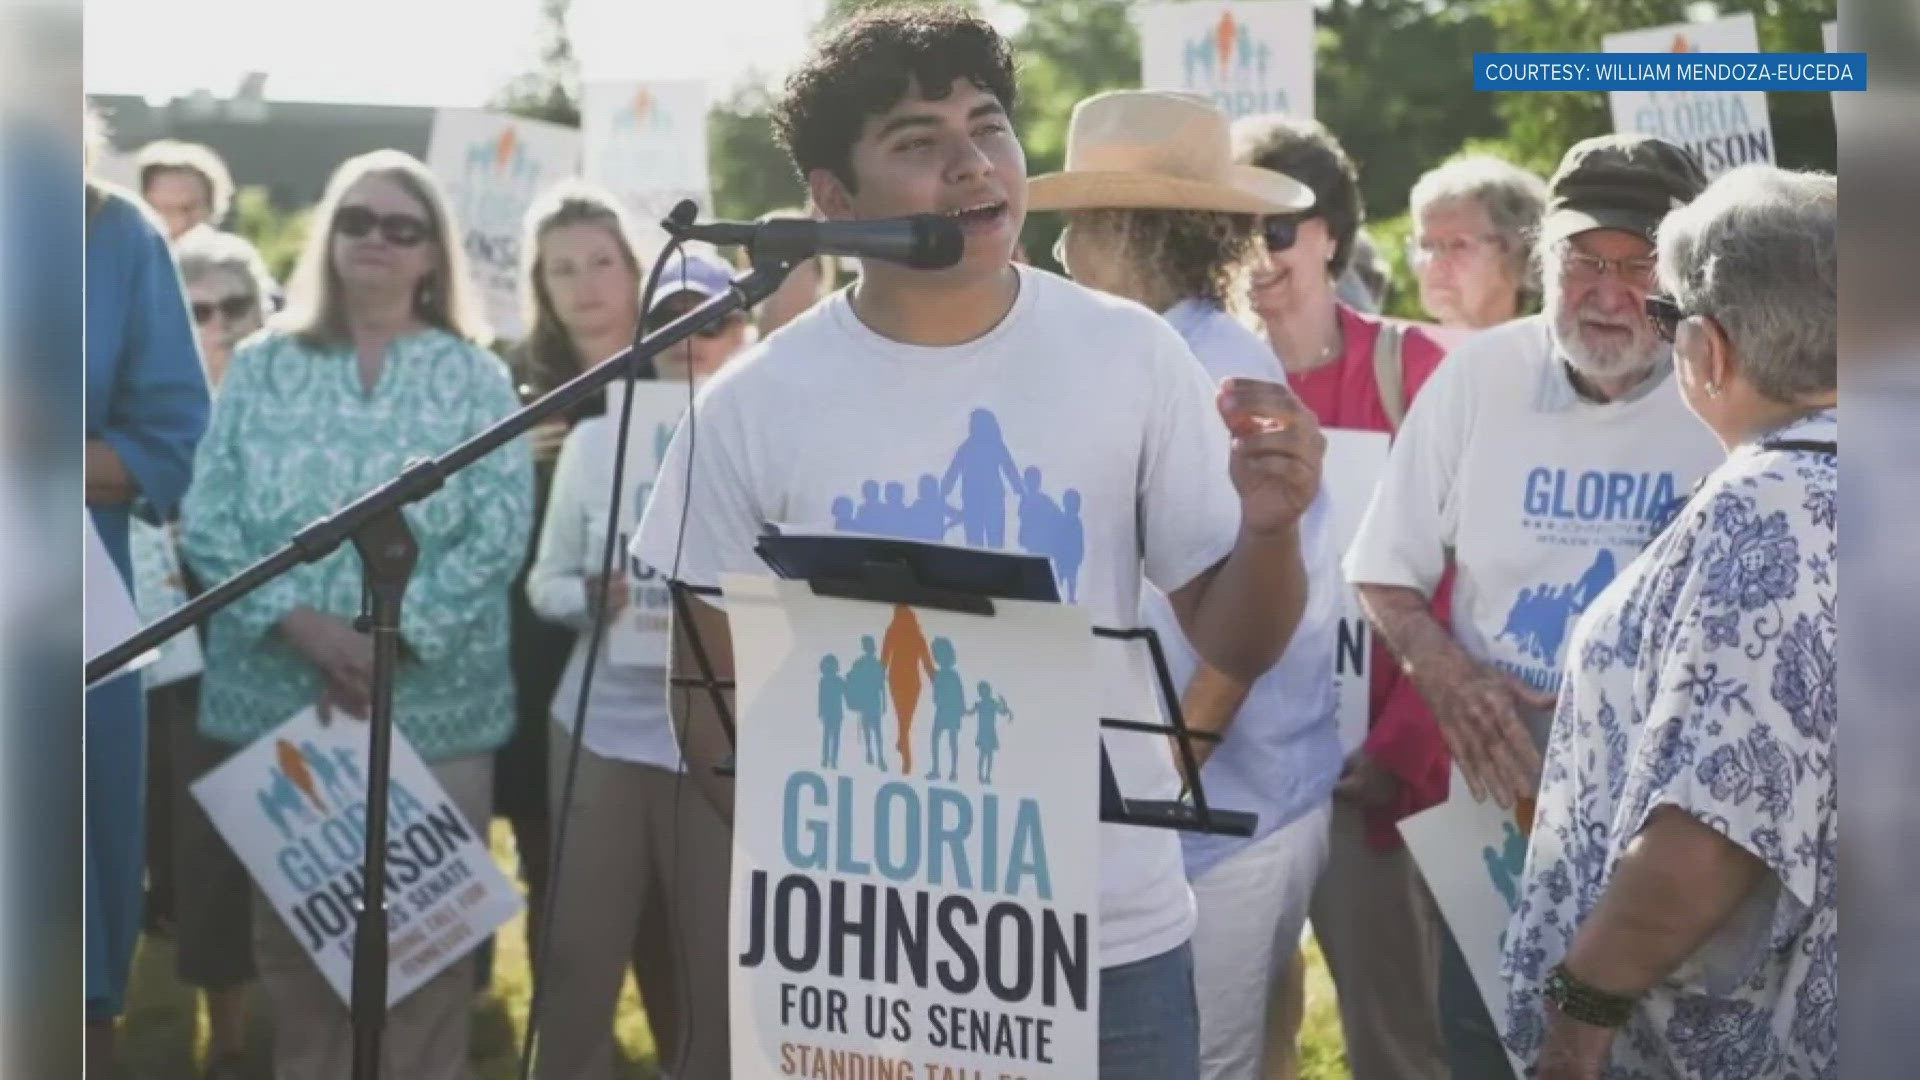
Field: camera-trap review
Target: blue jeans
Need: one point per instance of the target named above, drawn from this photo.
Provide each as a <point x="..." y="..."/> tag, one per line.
<point x="1149" y="1019"/>
<point x="1474" y="1050"/>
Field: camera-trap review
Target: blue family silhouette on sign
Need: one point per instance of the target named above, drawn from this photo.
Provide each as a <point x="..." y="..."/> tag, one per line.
<point x="862" y="690"/>
<point x="1540" y="616"/>
<point x="294" y="783"/>
<point x="982" y="473"/>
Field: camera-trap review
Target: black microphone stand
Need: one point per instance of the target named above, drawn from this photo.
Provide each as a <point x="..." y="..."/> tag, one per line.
<point x="378" y="529"/>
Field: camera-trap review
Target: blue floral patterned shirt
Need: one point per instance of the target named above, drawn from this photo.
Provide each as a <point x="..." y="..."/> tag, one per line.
<point x="295" y="436"/>
<point x="1703" y="679"/>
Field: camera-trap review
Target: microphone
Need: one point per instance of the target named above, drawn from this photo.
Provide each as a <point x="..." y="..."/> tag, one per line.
<point x="923" y="241"/>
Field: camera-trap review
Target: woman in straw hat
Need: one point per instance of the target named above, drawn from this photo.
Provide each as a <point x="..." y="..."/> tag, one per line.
<point x="1158" y="213"/>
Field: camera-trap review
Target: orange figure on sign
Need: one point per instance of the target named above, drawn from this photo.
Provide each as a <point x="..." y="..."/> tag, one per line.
<point x="904" y="655"/>
<point x="1223" y="39"/>
<point x="503" y="149"/>
<point x="295" y="768"/>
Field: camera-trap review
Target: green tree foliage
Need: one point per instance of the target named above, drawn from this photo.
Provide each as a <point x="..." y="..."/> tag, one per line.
<point x="551" y="91"/>
<point x="279" y="236"/>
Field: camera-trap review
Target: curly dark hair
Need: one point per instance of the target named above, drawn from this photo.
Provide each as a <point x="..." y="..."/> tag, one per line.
<point x="863" y="66"/>
<point x="1308" y="152"/>
<point x="1182" y="254"/>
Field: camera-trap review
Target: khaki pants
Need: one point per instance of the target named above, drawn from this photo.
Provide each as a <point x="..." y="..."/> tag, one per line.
<point x="426" y="1032"/>
<point x="636" y="836"/>
<point x="1380" y="933"/>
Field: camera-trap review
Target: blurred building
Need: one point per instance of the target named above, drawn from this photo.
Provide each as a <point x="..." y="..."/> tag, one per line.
<point x="289" y="148"/>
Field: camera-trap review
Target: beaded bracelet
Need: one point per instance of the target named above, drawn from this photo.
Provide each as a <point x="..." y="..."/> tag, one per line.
<point x="1587" y="1004"/>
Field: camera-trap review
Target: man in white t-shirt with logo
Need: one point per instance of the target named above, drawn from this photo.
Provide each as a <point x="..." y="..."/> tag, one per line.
<point x="1002" y="407"/>
<point x="1538" y="459"/>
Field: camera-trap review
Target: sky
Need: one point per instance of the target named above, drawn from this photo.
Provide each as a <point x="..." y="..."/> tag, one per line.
<point x="422" y="52"/>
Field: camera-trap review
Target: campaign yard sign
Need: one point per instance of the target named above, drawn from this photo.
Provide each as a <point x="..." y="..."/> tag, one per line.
<point x="915" y="868"/>
<point x="639" y="635"/>
<point x="1473" y="855"/>
<point x="646" y="141"/>
<point x="292" y="805"/>
<point x="1722" y="129"/>
<point x="1353" y="464"/>
<point x="493" y="166"/>
<point x="1246" y="56"/>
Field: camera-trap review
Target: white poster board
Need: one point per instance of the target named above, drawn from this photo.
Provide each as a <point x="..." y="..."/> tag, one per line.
<point x="493" y="166"/>
<point x="1472" y="855"/>
<point x="640" y="634"/>
<point x="1722" y="129"/>
<point x="110" y="615"/>
<point x="292" y="805"/>
<point x="646" y="141"/>
<point x="1349" y="473"/>
<point x="159" y="586"/>
<point x="1246" y="56"/>
<point x="979" y="889"/>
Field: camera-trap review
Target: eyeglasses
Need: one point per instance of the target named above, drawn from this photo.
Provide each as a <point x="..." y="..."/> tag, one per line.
<point x="231" y="309"/>
<point x="1637" y="272"/>
<point x="404" y="230"/>
<point x="1426" y="250"/>
<point x="1281" y="230"/>
<point x="1666" y="315"/>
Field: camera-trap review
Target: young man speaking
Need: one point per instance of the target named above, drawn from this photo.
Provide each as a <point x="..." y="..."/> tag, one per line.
<point x="988" y="377"/>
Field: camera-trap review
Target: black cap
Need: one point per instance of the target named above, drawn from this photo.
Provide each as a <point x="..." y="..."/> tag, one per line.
<point x="1627" y="182"/>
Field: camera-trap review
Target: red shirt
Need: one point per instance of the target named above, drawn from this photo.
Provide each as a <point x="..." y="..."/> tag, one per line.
<point x="1402" y="735"/>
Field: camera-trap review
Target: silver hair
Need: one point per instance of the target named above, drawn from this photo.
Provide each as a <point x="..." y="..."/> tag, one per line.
<point x="206" y="251"/>
<point x="1757" y="253"/>
<point x="1513" y="198"/>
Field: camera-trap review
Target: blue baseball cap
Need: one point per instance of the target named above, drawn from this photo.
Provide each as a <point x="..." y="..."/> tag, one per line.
<point x="691" y="272"/>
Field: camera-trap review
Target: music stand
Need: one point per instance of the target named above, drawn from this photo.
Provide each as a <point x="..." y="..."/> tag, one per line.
<point x="889" y="571"/>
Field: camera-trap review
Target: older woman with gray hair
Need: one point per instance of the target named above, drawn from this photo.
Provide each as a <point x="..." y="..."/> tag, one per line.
<point x="1677" y="915"/>
<point x="1473" y="223"/>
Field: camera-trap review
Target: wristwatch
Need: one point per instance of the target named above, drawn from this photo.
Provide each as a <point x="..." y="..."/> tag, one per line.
<point x="1587" y="1004"/>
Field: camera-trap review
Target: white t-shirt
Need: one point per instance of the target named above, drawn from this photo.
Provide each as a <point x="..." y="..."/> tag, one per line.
<point x="1541" y="495"/>
<point x="1093" y="406"/>
<point x="627" y="708"/>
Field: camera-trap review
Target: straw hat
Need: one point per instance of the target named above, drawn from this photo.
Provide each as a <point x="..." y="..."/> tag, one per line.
<point x="1159" y="150"/>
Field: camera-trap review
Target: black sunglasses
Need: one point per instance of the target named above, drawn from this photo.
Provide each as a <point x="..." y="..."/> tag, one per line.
<point x="1666" y="316"/>
<point x="231" y="308"/>
<point x="404" y="230"/>
<point x="1281" y="230"/>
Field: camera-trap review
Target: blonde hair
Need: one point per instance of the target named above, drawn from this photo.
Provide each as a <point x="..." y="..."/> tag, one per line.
<point x="548" y="353"/>
<point x="316" y="308"/>
<point x="172" y="155"/>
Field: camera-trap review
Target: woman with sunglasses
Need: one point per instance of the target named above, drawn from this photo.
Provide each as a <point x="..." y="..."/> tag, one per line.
<point x="1180" y="242"/>
<point x="642" y="871"/>
<point x="1370" y="910"/>
<point x="1678" y="912"/>
<point x="375" y="363"/>
<point x="197" y="889"/>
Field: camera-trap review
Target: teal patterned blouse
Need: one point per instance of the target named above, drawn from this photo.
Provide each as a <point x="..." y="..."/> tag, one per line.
<point x="295" y="436"/>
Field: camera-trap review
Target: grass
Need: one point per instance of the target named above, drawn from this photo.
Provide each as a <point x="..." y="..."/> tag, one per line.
<point x="163" y="1036"/>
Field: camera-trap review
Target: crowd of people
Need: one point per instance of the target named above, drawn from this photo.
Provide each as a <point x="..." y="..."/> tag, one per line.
<point x="1598" y="564"/>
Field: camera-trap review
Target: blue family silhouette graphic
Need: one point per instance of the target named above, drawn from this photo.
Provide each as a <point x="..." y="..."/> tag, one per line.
<point x="989" y="708"/>
<point x="1539" y="618"/>
<point x="982" y="474"/>
<point x="833" y="695"/>
<point x="1505" y="865"/>
<point x="866" y="695"/>
<point x="291" y="796"/>
<point x="862" y="690"/>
